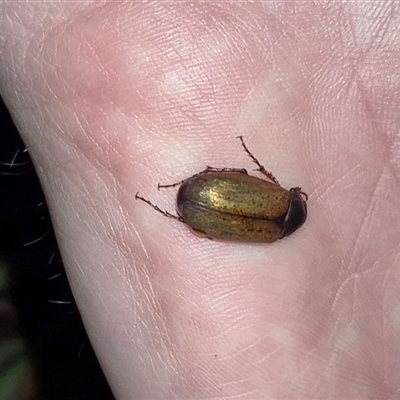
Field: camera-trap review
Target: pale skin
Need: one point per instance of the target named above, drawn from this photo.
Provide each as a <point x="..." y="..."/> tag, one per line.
<point x="114" y="98"/>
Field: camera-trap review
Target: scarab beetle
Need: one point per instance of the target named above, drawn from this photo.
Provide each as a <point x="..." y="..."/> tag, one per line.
<point x="228" y="204"/>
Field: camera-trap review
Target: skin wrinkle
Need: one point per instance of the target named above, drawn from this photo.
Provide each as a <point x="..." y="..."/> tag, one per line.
<point x="353" y="297"/>
<point x="337" y="296"/>
<point x="372" y="269"/>
<point x="83" y="155"/>
<point x="357" y="240"/>
<point x="385" y="328"/>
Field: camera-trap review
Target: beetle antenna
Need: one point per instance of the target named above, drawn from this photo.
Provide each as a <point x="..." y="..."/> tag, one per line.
<point x="163" y="212"/>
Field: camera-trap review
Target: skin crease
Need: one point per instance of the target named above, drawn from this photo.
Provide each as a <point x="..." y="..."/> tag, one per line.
<point x="113" y="97"/>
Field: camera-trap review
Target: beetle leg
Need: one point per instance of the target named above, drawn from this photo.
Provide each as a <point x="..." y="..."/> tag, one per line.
<point x="305" y="195"/>
<point x="299" y="191"/>
<point x="212" y="169"/>
<point x="171" y="185"/>
<point x="260" y="168"/>
<point x="206" y="171"/>
<point x="180" y="182"/>
<point x="165" y="213"/>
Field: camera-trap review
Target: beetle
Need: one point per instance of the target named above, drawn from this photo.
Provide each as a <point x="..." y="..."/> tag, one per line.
<point x="229" y="204"/>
